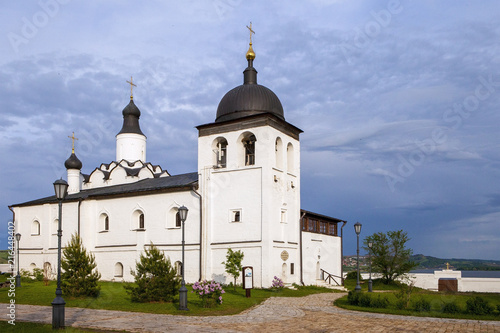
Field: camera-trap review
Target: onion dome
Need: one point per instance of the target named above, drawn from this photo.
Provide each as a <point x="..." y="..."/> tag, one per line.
<point x="131" y="115"/>
<point x="73" y="162"/>
<point x="250" y="98"/>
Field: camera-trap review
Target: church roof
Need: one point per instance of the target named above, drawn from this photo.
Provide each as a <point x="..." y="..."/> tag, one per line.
<point x="131" y="115"/>
<point x="249" y="98"/>
<point x="162" y="184"/>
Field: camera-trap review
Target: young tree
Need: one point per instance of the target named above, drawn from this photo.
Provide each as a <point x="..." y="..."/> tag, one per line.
<point x="80" y="278"/>
<point x="390" y="257"/>
<point x="233" y="263"/>
<point x="155" y="278"/>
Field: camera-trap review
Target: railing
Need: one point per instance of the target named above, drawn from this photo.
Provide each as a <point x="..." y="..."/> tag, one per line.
<point x="330" y="277"/>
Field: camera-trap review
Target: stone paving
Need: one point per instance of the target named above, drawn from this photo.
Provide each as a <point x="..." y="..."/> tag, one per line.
<point x="313" y="313"/>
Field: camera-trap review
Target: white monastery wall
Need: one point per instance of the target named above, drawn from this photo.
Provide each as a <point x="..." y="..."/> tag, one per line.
<point x="320" y="252"/>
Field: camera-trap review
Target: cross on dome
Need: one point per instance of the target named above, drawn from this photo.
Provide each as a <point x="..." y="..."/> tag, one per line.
<point x="73" y="138"/>
<point x="132" y="85"/>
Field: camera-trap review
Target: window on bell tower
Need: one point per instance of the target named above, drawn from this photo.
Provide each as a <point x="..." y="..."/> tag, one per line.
<point x="249" y="146"/>
<point x="220" y="152"/>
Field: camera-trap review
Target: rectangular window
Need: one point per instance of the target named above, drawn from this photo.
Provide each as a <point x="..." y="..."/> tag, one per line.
<point x="311" y="225"/>
<point x="292" y="268"/>
<point x="304" y="224"/>
<point x="283" y="216"/>
<point x="235" y="215"/>
<point x="322" y="227"/>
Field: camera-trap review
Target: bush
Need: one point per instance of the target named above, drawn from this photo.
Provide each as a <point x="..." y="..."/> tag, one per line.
<point x="422" y="305"/>
<point x="451" y="308"/>
<point x="401" y="304"/>
<point x="210" y="292"/>
<point x="353" y="297"/>
<point x="35" y="275"/>
<point x="380" y="302"/>
<point x="155" y="278"/>
<point x="353" y="276"/>
<point x="365" y="300"/>
<point x="80" y="276"/>
<point x="478" y="306"/>
<point x="277" y="284"/>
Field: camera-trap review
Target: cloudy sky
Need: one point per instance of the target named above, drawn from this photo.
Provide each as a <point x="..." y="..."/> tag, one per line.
<point x="398" y="101"/>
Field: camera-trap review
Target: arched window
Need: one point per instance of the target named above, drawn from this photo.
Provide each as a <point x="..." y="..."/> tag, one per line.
<point x="249" y="147"/>
<point x="138" y="220"/>
<point x="104" y="222"/>
<point x="35" y="228"/>
<point x="178" y="219"/>
<point x="220" y="152"/>
<point x="178" y="268"/>
<point x="278" y="147"/>
<point x="55" y="226"/>
<point x="290" y="158"/>
<point x="141" y="221"/>
<point x="118" y="269"/>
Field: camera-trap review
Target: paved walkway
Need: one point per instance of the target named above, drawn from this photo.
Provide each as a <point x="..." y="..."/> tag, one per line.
<point x="313" y="313"/>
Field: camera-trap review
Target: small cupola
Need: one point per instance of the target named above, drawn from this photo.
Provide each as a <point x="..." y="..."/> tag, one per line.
<point x="73" y="166"/>
<point x="130" y="141"/>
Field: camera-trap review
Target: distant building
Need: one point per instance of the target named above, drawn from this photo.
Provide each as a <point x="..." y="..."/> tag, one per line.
<point x="245" y="195"/>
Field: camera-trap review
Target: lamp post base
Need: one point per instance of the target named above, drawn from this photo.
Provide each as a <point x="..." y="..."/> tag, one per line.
<point x="357" y="288"/>
<point x="58" y="312"/>
<point x="370" y="283"/>
<point x="18" y="280"/>
<point x="183" y="297"/>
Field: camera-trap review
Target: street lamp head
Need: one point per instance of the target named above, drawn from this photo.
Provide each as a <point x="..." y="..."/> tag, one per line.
<point x="183" y="213"/>
<point x="61" y="189"/>
<point x="357" y="228"/>
<point x="18" y="237"/>
<point x="370" y="244"/>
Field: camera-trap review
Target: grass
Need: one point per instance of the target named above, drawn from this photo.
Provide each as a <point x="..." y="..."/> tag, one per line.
<point x="114" y="297"/>
<point x="436" y="300"/>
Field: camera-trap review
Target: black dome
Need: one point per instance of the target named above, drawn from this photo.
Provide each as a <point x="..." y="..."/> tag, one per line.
<point x="131" y="115"/>
<point x="249" y="99"/>
<point x="73" y="162"/>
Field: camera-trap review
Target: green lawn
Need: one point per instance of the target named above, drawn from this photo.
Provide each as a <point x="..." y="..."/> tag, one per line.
<point x="436" y="300"/>
<point x="114" y="297"/>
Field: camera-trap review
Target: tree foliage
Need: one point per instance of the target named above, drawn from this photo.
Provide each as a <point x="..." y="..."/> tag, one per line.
<point x="155" y="278"/>
<point x="80" y="276"/>
<point x="233" y="263"/>
<point x="390" y="257"/>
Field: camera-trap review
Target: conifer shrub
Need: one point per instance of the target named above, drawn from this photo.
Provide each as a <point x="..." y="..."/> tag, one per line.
<point x="80" y="276"/>
<point x="451" y="308"/>
<point x="155" y="278"/>
<point x="478" y="306"/>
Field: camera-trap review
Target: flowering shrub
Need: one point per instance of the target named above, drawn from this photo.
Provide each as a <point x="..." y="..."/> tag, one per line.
<point x="210" y="292"/>
<point x="277" y="283"/>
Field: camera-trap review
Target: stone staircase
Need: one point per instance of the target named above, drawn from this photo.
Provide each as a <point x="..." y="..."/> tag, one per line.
<point x="322" y="283"/>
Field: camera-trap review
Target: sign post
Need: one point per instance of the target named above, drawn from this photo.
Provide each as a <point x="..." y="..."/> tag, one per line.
<point x="248" y="279"/>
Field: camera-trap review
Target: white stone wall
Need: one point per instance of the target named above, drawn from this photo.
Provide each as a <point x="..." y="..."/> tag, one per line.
<point x="122" y="243"/>
<point x="131" y="147"/>
<point x="260" y="192"/>
<point x="465" y="284"/>
<point x="320" y="252"/>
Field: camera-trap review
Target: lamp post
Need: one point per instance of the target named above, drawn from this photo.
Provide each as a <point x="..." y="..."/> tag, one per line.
<point x="183" y="211"/>
<point x="18" y="276"/>
<point x="357" y="229"/>
<point x="61" y="188"/>
<point x="370" y="244"/>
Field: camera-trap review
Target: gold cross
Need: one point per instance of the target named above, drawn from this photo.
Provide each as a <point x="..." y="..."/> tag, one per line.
<point x="73" y="138"/>
<point x="132" y="85"/>
<point x="251" y="32"/>
<point x="447" y="266"/>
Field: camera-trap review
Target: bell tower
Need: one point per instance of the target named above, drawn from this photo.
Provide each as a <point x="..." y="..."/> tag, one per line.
<point x="249" y="176"/>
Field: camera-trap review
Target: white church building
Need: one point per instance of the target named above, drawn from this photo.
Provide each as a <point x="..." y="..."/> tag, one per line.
<point x="245" y="196"/>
